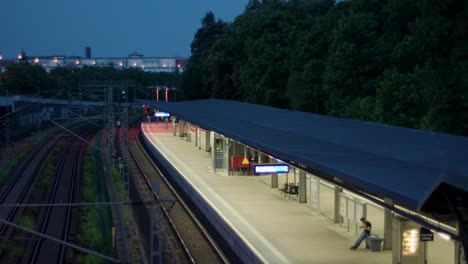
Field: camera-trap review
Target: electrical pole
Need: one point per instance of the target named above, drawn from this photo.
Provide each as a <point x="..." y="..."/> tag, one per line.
<point x="110" y="126"/>
<point x="124" y="148"/>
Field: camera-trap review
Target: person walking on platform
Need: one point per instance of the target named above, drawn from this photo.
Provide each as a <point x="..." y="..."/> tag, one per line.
<point x="367" y="226"/>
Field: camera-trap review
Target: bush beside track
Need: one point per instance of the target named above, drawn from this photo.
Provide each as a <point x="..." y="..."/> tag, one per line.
<point x="30" y="216"/>
<point x="8" y="161"/>
<point x="95" y="228"/>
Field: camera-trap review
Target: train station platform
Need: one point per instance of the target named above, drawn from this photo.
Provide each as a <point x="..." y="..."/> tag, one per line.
<point x="280" y="229"/>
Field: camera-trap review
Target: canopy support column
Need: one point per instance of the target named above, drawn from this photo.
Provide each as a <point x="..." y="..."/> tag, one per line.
<point x="274" y="176"/>
<point x="458" y="202"/>
<point x="181" y="128"/>
<point x="388" y="216"/>
<point x="302" y="187"/>
<point x="188" y="132"/>
<point x="207" y="141"/>
<point x="338" y="190"/>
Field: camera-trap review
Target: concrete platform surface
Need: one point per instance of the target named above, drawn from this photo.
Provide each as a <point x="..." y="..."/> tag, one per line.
<point x="279" y="229"/>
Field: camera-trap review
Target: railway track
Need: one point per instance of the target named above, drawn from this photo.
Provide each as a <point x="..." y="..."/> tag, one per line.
<point x="53" y="221"/>
<point x="19" y="185"/>
<point x="57" y="219"/>
<point x="185" y="238"/>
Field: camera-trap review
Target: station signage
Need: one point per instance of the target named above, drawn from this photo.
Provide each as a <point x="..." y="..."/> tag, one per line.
<point x="253" y="157"/>
<point x="161" y="114"/>
<point x="425" y="234"/>
<point x="271" y="168"/>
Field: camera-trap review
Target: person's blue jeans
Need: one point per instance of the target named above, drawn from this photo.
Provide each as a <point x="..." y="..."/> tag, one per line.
<point x="363" y="236"/>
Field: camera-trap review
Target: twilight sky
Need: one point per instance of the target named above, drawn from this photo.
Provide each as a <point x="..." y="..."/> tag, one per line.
<point x="112" y="28"/>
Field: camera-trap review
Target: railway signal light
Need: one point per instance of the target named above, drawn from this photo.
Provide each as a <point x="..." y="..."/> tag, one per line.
<point x="123" y="95"/>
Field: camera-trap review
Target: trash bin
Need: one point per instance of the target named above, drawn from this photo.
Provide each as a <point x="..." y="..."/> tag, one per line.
<point x="374" y="242"/>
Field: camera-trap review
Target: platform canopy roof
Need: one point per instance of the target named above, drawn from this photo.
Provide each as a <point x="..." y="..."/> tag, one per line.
<point x="405" y="165"/>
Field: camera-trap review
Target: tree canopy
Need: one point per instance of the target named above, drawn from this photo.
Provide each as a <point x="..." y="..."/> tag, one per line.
<point x="399" y="62"/>
<point x="31" y="79"/>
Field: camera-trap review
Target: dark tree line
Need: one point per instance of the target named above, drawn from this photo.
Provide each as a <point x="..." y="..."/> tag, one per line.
<point x="29" y="79"/>
<point x="399" y="62"/>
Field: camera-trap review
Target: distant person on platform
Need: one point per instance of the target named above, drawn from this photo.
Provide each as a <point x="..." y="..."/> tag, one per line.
<point x="367" y="227"/>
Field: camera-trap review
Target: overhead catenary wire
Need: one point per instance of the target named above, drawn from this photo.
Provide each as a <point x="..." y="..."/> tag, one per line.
<point x="60" y="241"/>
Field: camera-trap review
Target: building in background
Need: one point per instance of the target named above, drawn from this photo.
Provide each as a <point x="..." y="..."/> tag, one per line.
<point x="88" y="52"/>
<point x="134" y="60"/>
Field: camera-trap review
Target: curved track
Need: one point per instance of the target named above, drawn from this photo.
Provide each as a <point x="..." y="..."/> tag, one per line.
<point x="186" y="240"/>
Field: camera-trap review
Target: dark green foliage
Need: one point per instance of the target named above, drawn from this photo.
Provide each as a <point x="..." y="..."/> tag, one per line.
<point x="193" y="85"/>
<point x="96" y="225"/>
<point x="399" y="62"/>
<point x="353" y="65"/>
<point x="399" y="99"/>
<point x="24" y="78"/>
<point x="218" y="68"/>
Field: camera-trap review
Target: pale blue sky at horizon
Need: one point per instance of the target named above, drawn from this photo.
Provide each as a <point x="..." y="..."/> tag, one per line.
<point x="112" y="28"/>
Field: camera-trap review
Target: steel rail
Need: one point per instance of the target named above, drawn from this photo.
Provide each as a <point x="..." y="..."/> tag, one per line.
<point x="24" y="191"/>
<point x="49" y="209"/>
<point x="166" y="214"/>
<point x="59" y="241"/>
<point x="19" y="172"/>
<point x="71" y="192"/>
<point x="186" y="208"/>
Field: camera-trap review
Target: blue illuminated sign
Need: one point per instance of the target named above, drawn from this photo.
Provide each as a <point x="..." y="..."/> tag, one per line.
<point x="161" y="114"/>
<point x="271" y="168"/>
